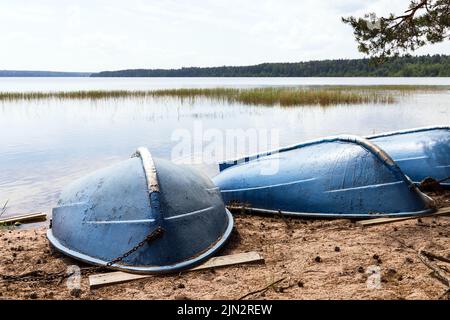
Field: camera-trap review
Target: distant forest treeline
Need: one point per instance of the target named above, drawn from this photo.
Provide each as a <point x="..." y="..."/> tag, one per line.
<point x="407" y="66"/>
<point x="20" y="73"/>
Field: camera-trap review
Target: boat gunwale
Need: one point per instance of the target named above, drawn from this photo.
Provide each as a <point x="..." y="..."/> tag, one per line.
<point x="407" y="131"/>
<point x="374" y="149"/>
<point x="354" y="139"/>
<point x="429" y="210"/>
<point x="343" y="137"/>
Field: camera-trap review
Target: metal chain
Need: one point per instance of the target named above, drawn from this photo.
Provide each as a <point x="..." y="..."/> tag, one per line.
<point x="152" y="236"/>
<point x="40" y="275"/>
<point x="35" y="276"/>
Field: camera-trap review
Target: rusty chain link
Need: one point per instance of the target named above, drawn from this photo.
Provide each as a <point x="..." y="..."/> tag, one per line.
<point x="152" y="236"/>
<point x="40" y="275"/>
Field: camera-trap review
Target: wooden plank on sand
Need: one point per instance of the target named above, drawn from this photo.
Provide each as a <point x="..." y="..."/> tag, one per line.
<point x="101" y="279"/>
<point x="25" y="218"/>
<point x="370" y="222"/>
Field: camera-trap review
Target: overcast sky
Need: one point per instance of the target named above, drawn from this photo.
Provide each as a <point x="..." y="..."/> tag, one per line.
<point x="95" y="35"/>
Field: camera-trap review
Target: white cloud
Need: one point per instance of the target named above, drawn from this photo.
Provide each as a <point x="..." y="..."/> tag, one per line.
<point x="108" y="35"/>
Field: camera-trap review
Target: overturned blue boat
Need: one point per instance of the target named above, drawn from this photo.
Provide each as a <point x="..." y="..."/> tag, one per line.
<point x="142" y="215"/>
<point x="344" y="176"/>
<point x="420" y="153"/>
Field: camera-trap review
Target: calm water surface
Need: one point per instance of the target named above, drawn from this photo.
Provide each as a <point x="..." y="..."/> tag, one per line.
<point x="45" y="145"/>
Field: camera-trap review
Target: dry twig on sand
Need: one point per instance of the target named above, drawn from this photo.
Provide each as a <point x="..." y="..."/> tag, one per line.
<point x="261" y="290"/>
<point x="438" y="272"/>
<point x="434" y="256"/>
<point x="402" y="242"/>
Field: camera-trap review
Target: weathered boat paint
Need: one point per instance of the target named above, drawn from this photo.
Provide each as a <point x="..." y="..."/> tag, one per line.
<point x="103" y="215"/>
<point x="420" y="153"/>
<point x="343" y="176"/>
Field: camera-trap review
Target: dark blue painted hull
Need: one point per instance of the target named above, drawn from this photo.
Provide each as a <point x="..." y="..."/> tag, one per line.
<point x="333" y="177"/>
<point x="104" y="215"/>
<point x="420" y="153"/>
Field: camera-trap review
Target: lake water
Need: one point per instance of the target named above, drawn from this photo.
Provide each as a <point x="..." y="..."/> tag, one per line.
<point x="47" y="144"/>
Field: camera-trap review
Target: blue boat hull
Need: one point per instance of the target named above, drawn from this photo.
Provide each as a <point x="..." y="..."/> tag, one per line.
<point x="102" y="216"/>
<point x="333" y="177"/>
<point x="420" y="153"/>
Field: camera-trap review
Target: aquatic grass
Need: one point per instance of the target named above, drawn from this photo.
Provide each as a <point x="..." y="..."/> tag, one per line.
<point x="387" y="87"/>
<point x="4" y="208"/>
<point x="2" y="211"/>
<point x="70" y="95"/>
<point x="312" y="96"/>
<point x="7" y="226"/>
<point x="270" y="96"/>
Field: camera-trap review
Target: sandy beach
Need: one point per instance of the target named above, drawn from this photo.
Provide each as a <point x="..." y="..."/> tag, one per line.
<point x="317" y="259"/>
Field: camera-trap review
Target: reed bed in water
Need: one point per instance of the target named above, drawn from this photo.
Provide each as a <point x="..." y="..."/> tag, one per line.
<point x="388" y="87"/>
<point x="283" y="96"/>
